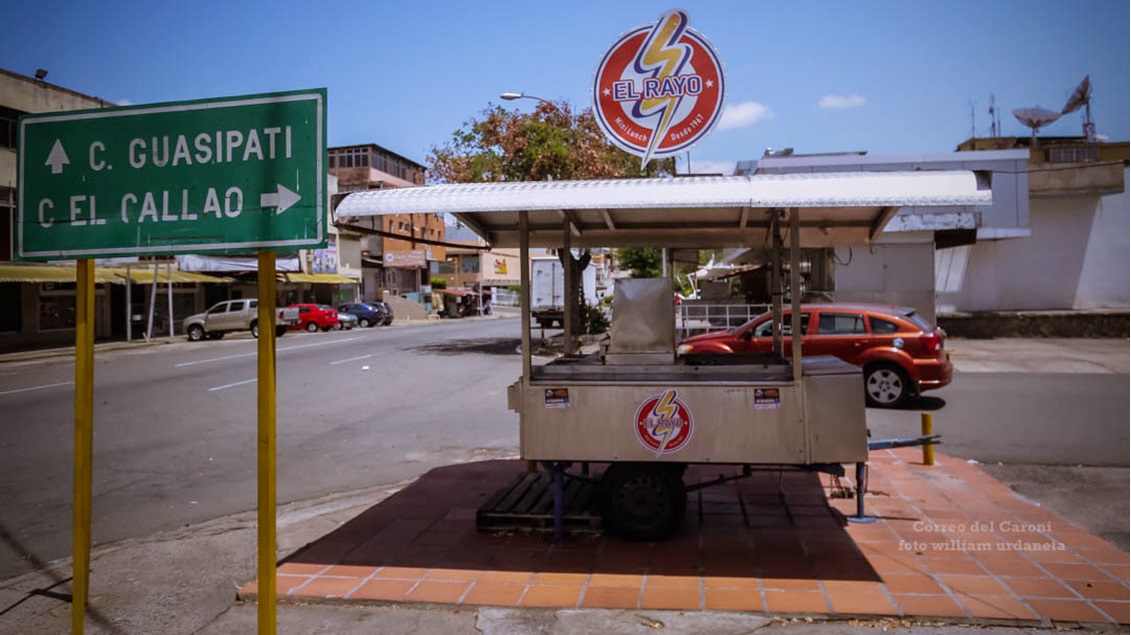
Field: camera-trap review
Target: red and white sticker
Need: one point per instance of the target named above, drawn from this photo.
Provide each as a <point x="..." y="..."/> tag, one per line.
<point x="664" y="423"/>
<point x="659" y="89"/>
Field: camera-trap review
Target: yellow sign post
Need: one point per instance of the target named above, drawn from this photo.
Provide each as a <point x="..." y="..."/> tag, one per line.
<point x="84" y="440"/>
<point x="266" y="442"/>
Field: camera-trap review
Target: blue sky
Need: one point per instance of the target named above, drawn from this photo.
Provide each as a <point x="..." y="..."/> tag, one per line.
<point x="889" y="77"/>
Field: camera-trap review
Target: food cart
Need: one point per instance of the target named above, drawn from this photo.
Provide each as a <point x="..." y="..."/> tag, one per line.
<point x="634" y="404"/>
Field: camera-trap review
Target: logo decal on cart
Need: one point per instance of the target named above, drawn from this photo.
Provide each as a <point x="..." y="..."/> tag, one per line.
<point x="659" y="89"/>
<point x="664" y="423"/>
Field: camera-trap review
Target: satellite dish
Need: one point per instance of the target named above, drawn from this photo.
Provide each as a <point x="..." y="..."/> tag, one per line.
<point x="1080" y="97"/>
<point x="1035" y="118"/>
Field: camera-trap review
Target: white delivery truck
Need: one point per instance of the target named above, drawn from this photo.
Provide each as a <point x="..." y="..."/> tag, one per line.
<point x="547" y="290"/>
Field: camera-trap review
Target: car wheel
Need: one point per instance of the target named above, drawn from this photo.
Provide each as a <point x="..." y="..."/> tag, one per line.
<point x="886" y="386"/>
<point x="280" y="331"/>
<point x="364" y="323"/>
<point x="311" y="327"/>
<point x="195" y="333"/>
<point x="255" y="329"/>
<point x="643" y="501"/>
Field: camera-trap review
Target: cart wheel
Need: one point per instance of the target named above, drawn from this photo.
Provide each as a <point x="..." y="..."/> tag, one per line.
<point x="643" y="501"/>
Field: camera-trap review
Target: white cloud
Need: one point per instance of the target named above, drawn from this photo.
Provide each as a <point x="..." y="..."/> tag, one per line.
<point x="726" y="168"/>
<point x="125" y="102"/>
<point x="742" y="115"/>
<point x="842" y="101"/>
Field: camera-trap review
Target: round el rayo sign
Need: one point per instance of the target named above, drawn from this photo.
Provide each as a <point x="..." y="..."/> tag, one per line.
<point x="659" y="89"/>
<point x="663" y="423"/>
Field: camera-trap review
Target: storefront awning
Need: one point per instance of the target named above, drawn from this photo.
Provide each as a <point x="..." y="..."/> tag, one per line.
<point x="114" y="275"/>
<point x="145" y="276"/>
<point x="317" y="278"/>
<point x="57" y="273"/>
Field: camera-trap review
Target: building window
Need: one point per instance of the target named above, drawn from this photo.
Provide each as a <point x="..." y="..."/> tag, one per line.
<point x="350" y="158"/>
<point x="471" y="264"/>
<point x="9" y="127"/>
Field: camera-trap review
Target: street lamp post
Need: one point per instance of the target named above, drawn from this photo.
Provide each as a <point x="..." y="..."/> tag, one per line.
<point x="514" y="96"/>
<point x="567" y="261"/>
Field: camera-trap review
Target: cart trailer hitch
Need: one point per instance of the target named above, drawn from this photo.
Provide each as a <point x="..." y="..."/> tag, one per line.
<point x="885" y="444"/>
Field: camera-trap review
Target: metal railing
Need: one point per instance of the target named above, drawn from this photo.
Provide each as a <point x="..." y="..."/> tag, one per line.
<point x="504" y="297"/>
<point x="692" y="319"/>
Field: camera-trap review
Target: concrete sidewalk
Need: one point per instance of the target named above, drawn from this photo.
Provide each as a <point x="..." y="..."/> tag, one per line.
<point x="187" y="581"/>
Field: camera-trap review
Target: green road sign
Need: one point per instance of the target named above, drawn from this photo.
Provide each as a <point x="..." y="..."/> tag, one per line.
<point x="216" y="175"/>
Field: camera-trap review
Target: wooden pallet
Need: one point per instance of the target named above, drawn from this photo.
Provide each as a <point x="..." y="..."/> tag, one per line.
<point x="528" y="504"/>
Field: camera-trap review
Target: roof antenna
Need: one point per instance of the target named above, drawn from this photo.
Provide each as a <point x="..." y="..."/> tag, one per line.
<point x="995" y="126"/>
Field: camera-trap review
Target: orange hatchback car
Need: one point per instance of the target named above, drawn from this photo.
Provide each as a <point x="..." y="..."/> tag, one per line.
<point x="900" y="352"/>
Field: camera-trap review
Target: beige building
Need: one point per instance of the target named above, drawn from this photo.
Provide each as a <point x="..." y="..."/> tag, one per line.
<point x="37" y="303"/>
<point x="391" y="254"/>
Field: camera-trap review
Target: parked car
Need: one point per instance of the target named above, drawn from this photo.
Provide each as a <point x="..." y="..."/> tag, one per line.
<point x="385" y="310"/>
<point x="346" y="321"/>
<point x="901" y="353"/>
<point x="312" y="317"/>
<point x="367" y="314"/>
<point x="234" y="315"/>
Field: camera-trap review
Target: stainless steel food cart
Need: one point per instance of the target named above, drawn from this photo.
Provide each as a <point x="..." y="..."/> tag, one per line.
<point x="634" y="404"/>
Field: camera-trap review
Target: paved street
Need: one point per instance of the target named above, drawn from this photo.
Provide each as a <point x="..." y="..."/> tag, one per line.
<point x="175" y="424"/>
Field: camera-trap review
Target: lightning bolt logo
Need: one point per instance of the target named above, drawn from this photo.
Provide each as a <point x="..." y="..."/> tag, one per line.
<point x="662" y="56"/>
<point x="667" y="425"/>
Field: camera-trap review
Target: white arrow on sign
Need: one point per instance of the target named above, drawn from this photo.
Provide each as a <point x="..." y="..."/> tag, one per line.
<point x="282" y="199"/>
<point x="57" y="158"/>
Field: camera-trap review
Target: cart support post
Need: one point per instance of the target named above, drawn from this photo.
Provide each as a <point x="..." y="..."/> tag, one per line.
<point x="557" y="472"/>
<point x="775" y="280"/>
<point x="861" y="488"/>
<point x="569" y="297"/>
<point x="524" y="305"/>
<point x="795" y="289"/>
<point x="524" y="288"/>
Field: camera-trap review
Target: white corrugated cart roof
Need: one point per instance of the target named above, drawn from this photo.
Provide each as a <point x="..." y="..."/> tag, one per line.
<point x="726" y="211"/>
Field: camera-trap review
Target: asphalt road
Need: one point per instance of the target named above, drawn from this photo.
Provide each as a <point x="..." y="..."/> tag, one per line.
<point x="1043" y="418"/>
<point x="175" y="428"/>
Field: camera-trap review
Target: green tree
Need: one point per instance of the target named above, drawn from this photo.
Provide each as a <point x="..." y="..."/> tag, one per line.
<point x="549" y="143"/>
<point x="643" y="262"/>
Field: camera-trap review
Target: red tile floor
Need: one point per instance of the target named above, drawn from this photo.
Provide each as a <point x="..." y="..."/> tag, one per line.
<point x="949" y="542"/>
